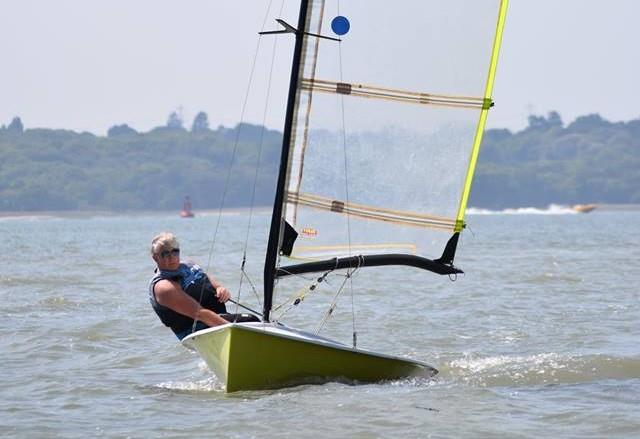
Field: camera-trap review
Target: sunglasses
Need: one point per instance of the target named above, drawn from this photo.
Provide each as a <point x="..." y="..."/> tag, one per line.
<point x="172" y="252"/>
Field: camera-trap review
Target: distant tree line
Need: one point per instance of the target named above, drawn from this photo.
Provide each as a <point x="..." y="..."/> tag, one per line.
<point x="591" y="160"/>
<point x="44" y="169"/>
<point x="588" y="161"/>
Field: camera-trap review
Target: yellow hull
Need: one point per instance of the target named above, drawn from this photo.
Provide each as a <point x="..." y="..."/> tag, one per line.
<point x="253" y="356"/>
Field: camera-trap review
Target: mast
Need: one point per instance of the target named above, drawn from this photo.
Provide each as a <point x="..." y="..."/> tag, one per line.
<point x="276" y="218"/>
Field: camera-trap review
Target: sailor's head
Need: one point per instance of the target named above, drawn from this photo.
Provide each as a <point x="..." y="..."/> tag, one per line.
<point x="165" y="248"/>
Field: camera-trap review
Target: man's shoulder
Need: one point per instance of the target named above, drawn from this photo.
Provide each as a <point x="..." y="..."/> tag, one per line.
<point x="191" y="265"/>
<point x="166" y="283"/>
<point x="166" y="287"/>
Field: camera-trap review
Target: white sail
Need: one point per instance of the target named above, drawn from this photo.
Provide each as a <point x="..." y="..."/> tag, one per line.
<point x="387" y="125"/>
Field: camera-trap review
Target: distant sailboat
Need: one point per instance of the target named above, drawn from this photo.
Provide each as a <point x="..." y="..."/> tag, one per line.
<point x="186" y="208"/>
<point x="405" y="202"/>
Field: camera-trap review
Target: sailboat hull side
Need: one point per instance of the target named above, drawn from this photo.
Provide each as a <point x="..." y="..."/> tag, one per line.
<point x="214" y="350"/>
<point x="267" y="359"/>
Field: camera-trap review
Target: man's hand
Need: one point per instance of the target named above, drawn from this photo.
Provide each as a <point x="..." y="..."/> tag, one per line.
<point x="222" y="294"/>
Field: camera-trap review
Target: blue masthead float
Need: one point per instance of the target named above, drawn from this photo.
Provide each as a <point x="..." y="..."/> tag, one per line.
<point x="340" y="25"/>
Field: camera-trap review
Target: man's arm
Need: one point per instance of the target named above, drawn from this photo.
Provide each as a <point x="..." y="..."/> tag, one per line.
<point x="221" y="292"/>
<point x="169" y="294"/>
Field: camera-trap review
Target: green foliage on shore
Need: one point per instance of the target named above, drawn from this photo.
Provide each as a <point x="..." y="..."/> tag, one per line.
<point x="42" y="169"/>
<point x="589" y="161"/>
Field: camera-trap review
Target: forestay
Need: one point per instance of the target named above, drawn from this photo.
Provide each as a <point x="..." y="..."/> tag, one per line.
<point x="387" y="125"/>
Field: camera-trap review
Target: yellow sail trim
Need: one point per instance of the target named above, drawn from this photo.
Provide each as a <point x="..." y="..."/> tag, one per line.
<point x="483" y="115"/>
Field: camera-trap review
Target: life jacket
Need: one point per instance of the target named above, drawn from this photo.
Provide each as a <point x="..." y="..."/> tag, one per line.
<point x="196" y="284"/>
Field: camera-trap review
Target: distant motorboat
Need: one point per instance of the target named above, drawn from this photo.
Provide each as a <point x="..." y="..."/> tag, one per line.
<point x="583" y="208"/>
<point x="186" y="209"/>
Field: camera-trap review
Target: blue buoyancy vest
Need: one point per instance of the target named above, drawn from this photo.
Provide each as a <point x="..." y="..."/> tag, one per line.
<point x="196" y="284"/>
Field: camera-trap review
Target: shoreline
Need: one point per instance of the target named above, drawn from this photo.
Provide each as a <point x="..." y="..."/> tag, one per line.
<point x="112" y="213"/>
<point x="256" y="210"/>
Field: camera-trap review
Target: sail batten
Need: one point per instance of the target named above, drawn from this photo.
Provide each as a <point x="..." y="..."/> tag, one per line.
<point x="371" y="212"/>
<point x="373" y="92"/>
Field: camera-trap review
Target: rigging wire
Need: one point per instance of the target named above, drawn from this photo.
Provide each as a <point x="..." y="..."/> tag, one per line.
<point x="233" y="156"/>
<point x="244" y="274"/>
<point x="297" y="298"/>
<point x="346" y="184"/>
<point x="274" y="292"/>
<point x="301" y="293"/>
<point x="334" y="302"/>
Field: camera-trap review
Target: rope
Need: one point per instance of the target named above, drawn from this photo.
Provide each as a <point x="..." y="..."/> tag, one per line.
<point x="232" y="160"/>
<point x="246" y="307"/>
<point x="334" y="301"/>
<point x="346" y="185"/>
<point x="297" y="298"/>
<point x="244" y="274"/>
<point x="333" y="305"/>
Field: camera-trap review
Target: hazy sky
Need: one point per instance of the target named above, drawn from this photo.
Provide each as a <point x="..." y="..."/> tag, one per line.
<point x="87" y="64"/>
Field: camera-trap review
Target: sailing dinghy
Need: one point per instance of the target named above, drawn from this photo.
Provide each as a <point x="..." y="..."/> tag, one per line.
<point x="407" y="93"/>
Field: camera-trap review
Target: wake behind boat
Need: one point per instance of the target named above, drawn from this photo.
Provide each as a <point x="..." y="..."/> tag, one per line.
<point x="352" y="195"/>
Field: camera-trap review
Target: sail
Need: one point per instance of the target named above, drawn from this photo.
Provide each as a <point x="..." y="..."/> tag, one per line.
<point x="382" y="133"/>
<point x="387" y="125"/>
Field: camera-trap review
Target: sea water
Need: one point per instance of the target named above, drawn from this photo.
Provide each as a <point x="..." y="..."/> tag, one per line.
<point x="539" y="337"/>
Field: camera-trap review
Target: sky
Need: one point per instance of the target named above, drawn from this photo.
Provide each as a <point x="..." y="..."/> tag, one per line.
<point x="87" y="65"/>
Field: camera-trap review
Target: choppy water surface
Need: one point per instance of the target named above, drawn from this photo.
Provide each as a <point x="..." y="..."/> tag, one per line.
<point x="539" y="337"/>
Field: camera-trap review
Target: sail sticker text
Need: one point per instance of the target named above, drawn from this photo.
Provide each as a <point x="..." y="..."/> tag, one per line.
<point x="309" y="232"/>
